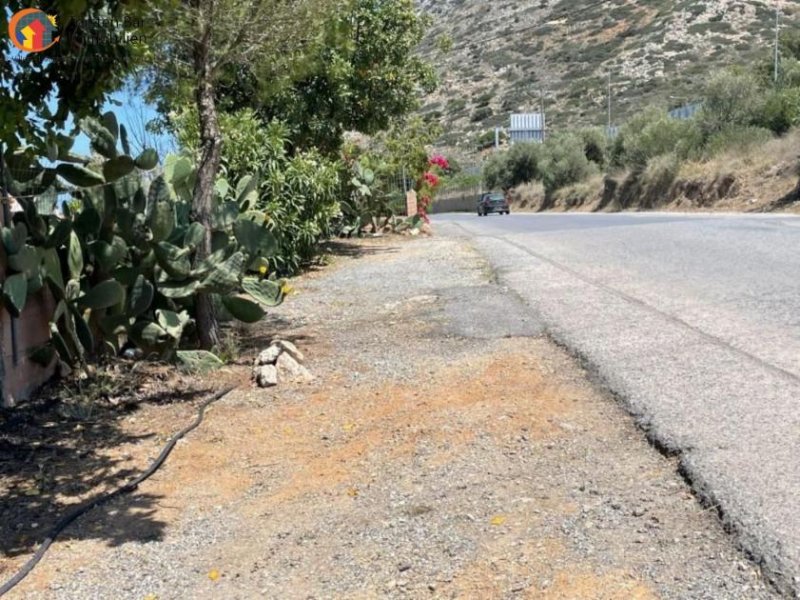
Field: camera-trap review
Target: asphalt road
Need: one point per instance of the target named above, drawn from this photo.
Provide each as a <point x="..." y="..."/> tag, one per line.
<point x="694" y="321"/>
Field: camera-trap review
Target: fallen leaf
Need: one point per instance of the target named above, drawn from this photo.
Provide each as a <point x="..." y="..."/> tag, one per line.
<point x="151" y="597"/>
<point x="349" y="426"/>
<point x="498" y="520"/>
<point x="213" y="574"/>
<point x="352" y="492"/>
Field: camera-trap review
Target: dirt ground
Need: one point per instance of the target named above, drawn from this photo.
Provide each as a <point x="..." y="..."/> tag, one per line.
<point x="445" y="449"/>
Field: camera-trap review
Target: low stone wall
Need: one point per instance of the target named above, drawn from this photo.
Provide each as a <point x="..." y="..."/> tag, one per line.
<point x="465" y="202"/>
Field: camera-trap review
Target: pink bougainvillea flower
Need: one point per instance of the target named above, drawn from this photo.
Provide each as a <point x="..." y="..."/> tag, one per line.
<point x="440" y="161"/>
<point x="431" y="178"/>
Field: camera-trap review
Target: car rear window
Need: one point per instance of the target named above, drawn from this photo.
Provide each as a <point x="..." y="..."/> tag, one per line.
<point x="497" y="199"/>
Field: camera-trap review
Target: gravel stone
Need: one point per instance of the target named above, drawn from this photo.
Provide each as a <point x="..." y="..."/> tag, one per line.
<point x="266" y="376"/>
<point x="269" y="356"/>
<point x="291" y="349"/>
<point x="289" y="370"/>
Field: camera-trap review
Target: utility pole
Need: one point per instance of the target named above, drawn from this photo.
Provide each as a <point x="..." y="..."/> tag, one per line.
<point x="541" y="110"/>
<point x="777" y="40"/>
<point x="608" y="131"/>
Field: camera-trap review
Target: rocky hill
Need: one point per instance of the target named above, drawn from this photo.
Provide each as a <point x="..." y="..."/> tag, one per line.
<point x="507" y="56"/>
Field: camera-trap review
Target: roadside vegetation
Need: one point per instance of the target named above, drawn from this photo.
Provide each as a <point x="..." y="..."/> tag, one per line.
<point x="747" y="122"/>
<point x="153" y="253"/>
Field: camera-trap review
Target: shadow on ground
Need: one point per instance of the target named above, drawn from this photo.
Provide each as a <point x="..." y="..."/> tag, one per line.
<point x="350" y="249"/>
<point x="55" y="455"/>
<point x="57" y="452"/>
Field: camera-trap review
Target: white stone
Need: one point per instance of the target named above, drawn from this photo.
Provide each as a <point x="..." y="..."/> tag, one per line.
<point x="269" y="356"/>
<point x="291" y="349"/>
<point x="289" y="370"/>
<point x="266" y="376"/>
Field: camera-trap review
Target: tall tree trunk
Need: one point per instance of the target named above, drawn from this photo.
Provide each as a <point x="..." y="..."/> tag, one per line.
<point x="210" y="152"/>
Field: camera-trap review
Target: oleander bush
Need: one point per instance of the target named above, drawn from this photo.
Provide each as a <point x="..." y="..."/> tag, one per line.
<point x="298" y="191"/>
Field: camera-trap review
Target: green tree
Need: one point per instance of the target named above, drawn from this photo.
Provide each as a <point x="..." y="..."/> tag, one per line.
<point x="524" y="163"/>
<point x="521" y="164"/>
<point x="364" y="74"/>
<point x="209" y="39"/>
<point x="354" y="67"/>
<point x="652" y="133"/>
<point x="405" y="145"/>
<point x="732" y="97"/>
<point x="781" y="110"/>
<point x="790" y="42"/>
<point x="564" y="162"/>
<point x="495" y="171"/>
<point x="595" y="145"/>
<point x="356" y="70"/>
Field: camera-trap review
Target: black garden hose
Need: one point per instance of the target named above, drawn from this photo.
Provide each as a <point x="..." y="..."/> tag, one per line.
<point x="100" y="499"/>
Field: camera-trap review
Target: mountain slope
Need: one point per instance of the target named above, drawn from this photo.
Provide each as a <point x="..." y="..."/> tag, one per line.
<point x="508" y="55"/>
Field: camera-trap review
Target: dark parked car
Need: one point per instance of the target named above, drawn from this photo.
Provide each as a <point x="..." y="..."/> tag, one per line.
<point x="492" y="203"/>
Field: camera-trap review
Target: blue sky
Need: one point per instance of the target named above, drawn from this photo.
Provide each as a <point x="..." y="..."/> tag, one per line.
<point x="131" y="110"/>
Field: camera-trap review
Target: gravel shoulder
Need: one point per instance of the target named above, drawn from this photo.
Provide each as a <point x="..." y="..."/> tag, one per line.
<point x="446" y="449"/>
<point x="692" y="322"/>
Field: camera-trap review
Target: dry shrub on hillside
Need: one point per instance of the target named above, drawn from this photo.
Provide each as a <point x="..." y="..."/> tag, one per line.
<point x="775" y="156"/>
<point x="657" y="179"/>
<point x="528" y="196"/>
<point x="584" y="194"/>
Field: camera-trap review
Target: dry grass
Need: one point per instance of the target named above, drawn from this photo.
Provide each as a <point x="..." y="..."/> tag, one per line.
<point x="755" y="160"/>
<point x="762" y="176"/>
<point x="582" y="195"/>
<point x="529" y="196"/>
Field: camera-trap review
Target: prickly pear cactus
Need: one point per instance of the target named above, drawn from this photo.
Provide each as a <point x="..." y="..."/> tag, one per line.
<point x="120" y="258"/>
